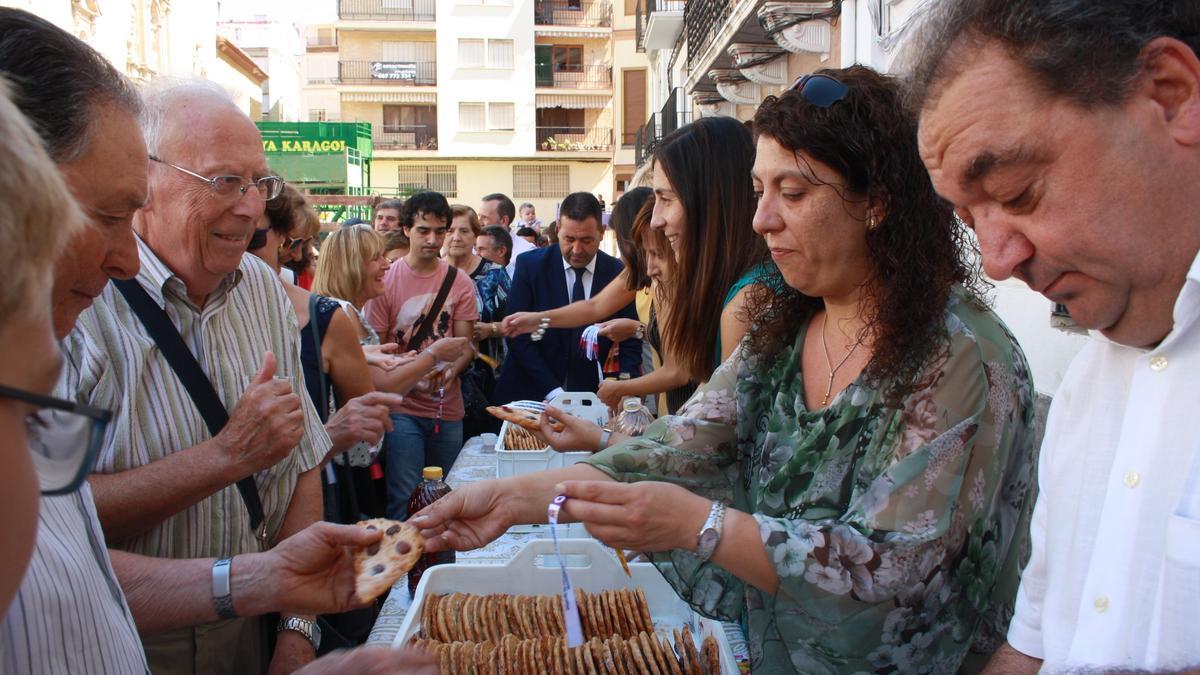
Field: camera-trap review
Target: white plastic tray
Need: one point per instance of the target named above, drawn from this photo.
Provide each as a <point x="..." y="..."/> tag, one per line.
<point x="583" y="404"/>
<point x="593" y="567"/>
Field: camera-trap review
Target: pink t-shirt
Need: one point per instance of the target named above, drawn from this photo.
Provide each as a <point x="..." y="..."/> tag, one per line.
<point x="399" y="312"/>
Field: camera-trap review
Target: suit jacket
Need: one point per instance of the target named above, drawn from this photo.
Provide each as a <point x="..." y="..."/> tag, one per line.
<point x="533" y="369"/>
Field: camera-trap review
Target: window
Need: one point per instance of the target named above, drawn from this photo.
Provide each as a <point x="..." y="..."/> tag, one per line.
<point x="633" y="115"/>
<point x="500" y="54"/>
<point x="472" y="117"/>
<point x="541" y="181"/>
<point x="316" y="115"/>
<point x="441" y="178"/>
<point x="501" y="116"/>
<point x="567" y="58"/>
<point x="570" y="118"/>
<point x="470" y="53"/>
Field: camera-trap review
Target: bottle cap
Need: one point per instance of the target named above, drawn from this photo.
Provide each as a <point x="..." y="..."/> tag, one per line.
<point x="631" y="403"/>
<point x="432" y="473"/>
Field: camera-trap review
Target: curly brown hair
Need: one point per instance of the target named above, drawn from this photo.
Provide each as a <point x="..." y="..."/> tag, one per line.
<point x="919" y="251"/>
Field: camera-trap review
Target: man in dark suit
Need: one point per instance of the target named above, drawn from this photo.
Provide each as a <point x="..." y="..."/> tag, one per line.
<point x="552" y="277"/>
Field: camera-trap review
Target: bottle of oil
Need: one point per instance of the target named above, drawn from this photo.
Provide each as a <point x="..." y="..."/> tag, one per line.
<point x="429" y="490"/>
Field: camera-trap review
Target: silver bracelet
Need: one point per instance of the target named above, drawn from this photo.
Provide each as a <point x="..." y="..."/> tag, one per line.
<point x="605" y="436"/>
<point x="221" y="596"/>
<point x="540" y="331"/>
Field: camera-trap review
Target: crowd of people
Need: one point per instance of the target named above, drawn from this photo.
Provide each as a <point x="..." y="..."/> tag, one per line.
<point x="847" y="464"/>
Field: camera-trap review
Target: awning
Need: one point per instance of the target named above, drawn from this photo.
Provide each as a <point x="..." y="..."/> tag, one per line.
<point x="575" y="101"/>
<point x="577" y="33"/>
<point x="426" y="97"/>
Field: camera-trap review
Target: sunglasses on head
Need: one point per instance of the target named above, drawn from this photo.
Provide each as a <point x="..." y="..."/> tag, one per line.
<point x="820" y="90"/>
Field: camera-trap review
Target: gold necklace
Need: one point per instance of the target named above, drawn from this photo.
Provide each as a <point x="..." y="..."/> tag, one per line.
<point x="829" y="361"/>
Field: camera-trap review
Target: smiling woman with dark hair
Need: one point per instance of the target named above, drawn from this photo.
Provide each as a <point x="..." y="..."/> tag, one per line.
<point x="853" y="484"/>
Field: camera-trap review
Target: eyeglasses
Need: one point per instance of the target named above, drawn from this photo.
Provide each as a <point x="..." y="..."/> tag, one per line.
<point x="230" y="187"/>
<point x="820" y="90"/>
<point x="64" y="439"/>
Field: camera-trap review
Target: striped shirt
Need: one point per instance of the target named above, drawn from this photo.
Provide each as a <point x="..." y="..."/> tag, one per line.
<point x="121" y="369"/>
<point x="69" y="615"/>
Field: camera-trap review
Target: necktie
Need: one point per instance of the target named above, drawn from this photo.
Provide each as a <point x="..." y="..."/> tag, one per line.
<point x="577" y="289"/>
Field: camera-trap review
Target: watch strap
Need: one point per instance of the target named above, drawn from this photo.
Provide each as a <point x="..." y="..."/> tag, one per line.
<point x="706" y="545"/>
<point x="308" y="629"/>
<point x="222" y="597"/>
<point x="605" y="436"/>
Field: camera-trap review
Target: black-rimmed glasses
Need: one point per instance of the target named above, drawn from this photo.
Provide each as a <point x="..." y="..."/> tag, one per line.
<point x="64" y="439"/>
<point x="820" y="90"/>
<point x="231" y="187"/>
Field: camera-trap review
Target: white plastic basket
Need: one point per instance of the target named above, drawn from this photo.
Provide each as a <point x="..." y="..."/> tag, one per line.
<point x="585" y="405"/>
<point x="593" y="567"/>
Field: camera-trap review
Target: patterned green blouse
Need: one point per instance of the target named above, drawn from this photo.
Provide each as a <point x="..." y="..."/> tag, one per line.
<point x="898" y="534"/>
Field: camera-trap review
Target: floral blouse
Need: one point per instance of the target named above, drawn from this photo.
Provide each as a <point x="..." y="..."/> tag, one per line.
<point x="898" y="534"/>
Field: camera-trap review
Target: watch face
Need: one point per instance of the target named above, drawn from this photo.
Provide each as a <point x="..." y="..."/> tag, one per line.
<point x="708" y="539"/>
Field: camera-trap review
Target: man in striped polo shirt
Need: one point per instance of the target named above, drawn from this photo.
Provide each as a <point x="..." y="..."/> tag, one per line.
<point x="70" y="613"/>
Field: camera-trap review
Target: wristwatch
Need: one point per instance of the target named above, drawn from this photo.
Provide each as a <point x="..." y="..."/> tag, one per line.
<point x="605" y="434"/>
<point x="640" y="333"/>
<point x="710" y="533"/>
<point x="222" y="598"/>
<point x="308" y="629"/>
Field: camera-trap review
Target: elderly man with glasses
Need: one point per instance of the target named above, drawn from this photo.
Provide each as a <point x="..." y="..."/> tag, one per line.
<point x="175" y="477"/>
<point x="80" y="607"/>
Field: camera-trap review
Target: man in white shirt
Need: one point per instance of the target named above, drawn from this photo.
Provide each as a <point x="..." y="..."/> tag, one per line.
<point x="1067" y="134"/>
<point x="498" y="209"/>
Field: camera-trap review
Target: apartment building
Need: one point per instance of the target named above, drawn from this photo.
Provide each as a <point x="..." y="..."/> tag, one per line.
<point x="146" y="39"/>
<point x="470" y="97"/>
<point x="275" y="47"/>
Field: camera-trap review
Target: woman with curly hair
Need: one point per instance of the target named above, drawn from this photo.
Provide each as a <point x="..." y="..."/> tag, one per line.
<point x="853" y="486"/>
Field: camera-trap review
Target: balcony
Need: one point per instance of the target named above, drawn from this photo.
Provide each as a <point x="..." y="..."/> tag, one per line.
<point x="574" y="139"/>
<point x="575" y="77"/>
<point x="401" y="137"/>
<point x="658" y="24"/>
<point x="576" y="13"/>
<point x="670" y="117"/>
<point x="388" y="73"/>
<point x="387" y="10"/>
<point x="703" y="19"/>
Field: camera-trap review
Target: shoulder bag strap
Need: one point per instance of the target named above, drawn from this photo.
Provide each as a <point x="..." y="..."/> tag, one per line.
<point x="314" y="332"/>
<point x="197" y="384"/>
<point x="426" y="328"/>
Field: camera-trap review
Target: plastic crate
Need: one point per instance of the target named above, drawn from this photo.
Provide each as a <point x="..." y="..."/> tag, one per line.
<point x="593" y="567"/>
<point x="517" y="462"/>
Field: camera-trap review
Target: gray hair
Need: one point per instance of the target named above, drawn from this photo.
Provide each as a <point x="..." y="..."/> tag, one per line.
<point x="164" y="94"/>
<point x="58" y="82"/>
<point x="1088" y="51"/>
<point x="35" y="219"/>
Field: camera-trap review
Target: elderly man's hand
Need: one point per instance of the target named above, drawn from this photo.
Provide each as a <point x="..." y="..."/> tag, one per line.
<point x="310" y="572"/>
<point x="266" y="424"/>
<point x="362" y="420"/>
<point x="374" y="660"/>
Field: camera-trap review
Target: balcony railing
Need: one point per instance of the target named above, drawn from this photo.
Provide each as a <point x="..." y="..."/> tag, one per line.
<point x="392" y="73"/>
<point x="406" y="137"/>
<point x="702" y="20"/>
<point x="673" y="115"/>
<point x="574" y="139"/>
<point x="388" y="10"/>
<point x="589" y="13"/>
<point x="577" y="77"/>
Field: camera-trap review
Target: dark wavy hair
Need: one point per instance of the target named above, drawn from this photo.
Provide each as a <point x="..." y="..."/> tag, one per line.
<point x="622" y="221"/>
<point x="918" y="251"/>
